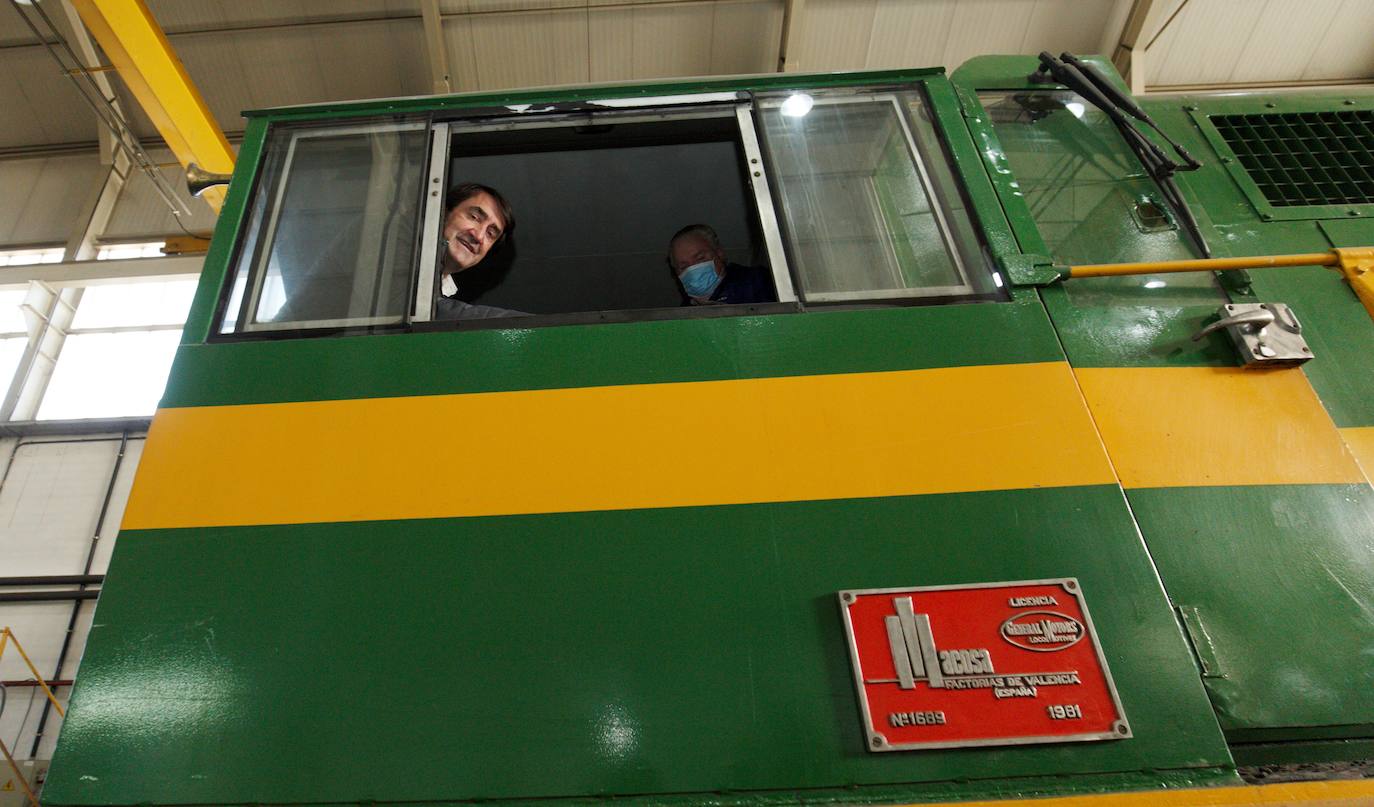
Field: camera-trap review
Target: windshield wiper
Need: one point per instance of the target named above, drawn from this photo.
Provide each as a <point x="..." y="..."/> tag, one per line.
<point x="1120" y="108"/>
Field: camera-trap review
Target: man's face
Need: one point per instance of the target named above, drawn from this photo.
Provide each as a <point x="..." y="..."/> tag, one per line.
<point x="471" y="229"/>
<point x="692" y="249"/>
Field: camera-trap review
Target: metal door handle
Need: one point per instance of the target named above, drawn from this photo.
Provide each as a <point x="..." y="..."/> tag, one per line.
<point x="1258" y="320"/>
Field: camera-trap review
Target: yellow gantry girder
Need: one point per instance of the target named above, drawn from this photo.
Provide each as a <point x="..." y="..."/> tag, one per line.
<point x="139" y="50"/>
<point x="1356" y="263"/>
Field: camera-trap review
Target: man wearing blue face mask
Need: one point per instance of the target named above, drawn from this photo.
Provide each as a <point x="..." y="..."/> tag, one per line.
<point x="698" y="262"/>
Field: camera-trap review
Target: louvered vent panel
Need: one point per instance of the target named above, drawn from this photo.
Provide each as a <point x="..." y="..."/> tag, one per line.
<point x="1305" y="158"/>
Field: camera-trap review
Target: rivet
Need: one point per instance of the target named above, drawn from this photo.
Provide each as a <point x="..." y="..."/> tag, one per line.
<point x="755" y="161"/>
<point x="1349" y="102"/>
<point x="758" y="174"/>
<point x="1306" y="349"/>
<point x="1270" y="105"/>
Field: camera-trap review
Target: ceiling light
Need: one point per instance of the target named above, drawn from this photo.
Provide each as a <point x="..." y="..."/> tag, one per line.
<point x="1076" y="108"/>
<point x="1155" y="284"/>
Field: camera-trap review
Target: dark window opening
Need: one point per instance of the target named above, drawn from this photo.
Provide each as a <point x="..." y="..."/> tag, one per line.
<point x="597" y="202"/>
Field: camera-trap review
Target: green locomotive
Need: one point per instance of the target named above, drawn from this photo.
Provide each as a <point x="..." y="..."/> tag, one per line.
<point x="839" y="545"/>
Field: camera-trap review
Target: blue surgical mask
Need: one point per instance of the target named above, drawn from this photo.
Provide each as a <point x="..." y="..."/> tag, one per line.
<point x="700" y="279"/>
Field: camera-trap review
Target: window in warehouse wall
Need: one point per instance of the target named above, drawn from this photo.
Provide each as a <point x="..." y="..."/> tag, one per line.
<point x="120" y="252"/>
<point x="28" y="257"/>
<point x="116" y="357"/>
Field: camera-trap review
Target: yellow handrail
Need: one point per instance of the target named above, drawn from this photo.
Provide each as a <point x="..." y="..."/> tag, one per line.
<point x="1356" y="263"/>
<point x="6" y="633"/>
<point x="1203" y="265"/>
<point x="7" y="636"/>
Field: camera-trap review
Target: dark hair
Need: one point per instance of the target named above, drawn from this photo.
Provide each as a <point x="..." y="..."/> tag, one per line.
<point x="464" y="191"/>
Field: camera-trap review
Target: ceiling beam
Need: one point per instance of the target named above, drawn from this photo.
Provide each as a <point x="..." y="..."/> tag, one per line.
<point x="80" y="274"/>
<point x="792" y="12"/>
<point x="1129" y="54"/>
<point x="435" y="47"/>
<point x="139" y="50"/>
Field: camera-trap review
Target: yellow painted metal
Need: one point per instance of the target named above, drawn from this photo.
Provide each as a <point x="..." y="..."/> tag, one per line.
<point x="6" y="637"/>
<point x="1306" y="794"/>
<point x="185" y="245"/>
<point x="6" y="633"/>
<point x="1203" y="265"/>
<point x="1360" y="439"/>
<point x="1356" y="263"/>
<point x="139" y="50"/>
<point x="840" y="436"/>
<point x="1215" y="426"/>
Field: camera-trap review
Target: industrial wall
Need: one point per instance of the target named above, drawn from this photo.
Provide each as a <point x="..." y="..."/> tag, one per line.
<point x="61" y="500"/>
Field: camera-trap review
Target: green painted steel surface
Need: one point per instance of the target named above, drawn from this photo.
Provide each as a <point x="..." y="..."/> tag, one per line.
<point x="655" y="651"/>
<point x="813" y="343"/>
<point x="580" y="93"/>
<point x="1283" y="581"/>
<point x="1278" y="577"/>
<point x="216" y="266"/>
<point x="696" y="654"/>
<point x="1336" y="325"/>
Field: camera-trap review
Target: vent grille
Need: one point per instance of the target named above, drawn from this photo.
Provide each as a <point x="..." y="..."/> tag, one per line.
<point x="1305" y="158"/>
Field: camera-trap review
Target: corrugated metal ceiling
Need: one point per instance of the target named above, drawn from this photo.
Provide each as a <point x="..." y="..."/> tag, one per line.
<point x="260" y="53"/>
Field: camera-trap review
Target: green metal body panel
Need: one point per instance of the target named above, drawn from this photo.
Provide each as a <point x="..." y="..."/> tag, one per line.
<point x="695" y="654"/>
<point x="1287" y="623"/>
<point x="817" y="343"/>
<point x="685" y="650"/>
<point x="1274" y="583"/>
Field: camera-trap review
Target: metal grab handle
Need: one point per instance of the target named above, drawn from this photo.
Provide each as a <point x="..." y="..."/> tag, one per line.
<point x="1258" y="320"/>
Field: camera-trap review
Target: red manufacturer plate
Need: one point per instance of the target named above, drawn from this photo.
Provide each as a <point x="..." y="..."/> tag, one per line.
<point x="980" y="664"/>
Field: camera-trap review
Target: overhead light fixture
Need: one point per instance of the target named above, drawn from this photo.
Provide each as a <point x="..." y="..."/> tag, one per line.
<point x="1076" y="108"/>
<point x="1155" y="284"/>
<point x="797" y="105"/>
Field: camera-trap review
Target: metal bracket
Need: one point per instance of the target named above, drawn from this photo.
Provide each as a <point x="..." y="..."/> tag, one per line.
<point x="1031" y="270"/>
<point x="1265" y="334"/>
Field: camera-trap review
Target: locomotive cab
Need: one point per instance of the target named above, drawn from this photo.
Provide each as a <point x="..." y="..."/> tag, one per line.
<point x="933" y="522"/>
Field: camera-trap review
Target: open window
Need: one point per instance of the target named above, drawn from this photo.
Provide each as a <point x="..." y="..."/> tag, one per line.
<point x="598" y="195"/>
<point x="847" y="198"/>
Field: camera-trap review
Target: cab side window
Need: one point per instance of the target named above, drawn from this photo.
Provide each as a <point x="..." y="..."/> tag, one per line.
<point x="331" y="236"/>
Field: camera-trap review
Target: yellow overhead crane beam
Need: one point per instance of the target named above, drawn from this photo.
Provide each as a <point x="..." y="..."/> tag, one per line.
<point x="139" y="50"/>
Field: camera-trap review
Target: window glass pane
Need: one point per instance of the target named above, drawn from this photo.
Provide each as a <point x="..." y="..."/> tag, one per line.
<point x="109" y="375"/>
<point x="11" y="316"/>
<point x="116" y="252"/>
<point x="1091" y="198"/>
<point x="160" y="303"/>
<point x="332" y="236"/>
<point x="866" y="216"/>
<point x="28" y="257"/>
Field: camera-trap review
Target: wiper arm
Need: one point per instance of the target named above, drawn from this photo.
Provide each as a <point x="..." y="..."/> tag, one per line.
<point x="1125" y="102"/>
<point x="1156" y="162"/>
